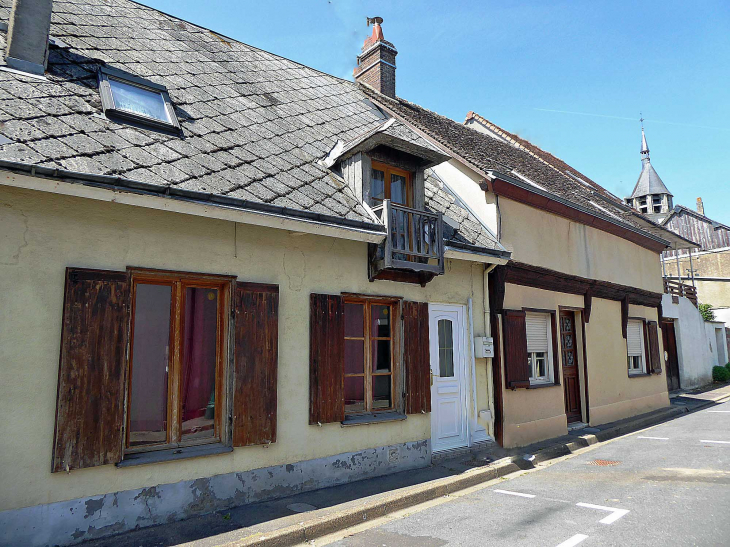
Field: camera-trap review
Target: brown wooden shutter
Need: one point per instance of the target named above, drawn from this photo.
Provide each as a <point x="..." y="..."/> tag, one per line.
<point x="92" y="368"/>
<point x="256" y="352"/>
<point x="654" y="356"/>
<point x="326" y="359"/>
<point x="516" y="370"/>
<point x="416" y="358"/>
<point x="555" y="328"/>
<point x="624" y="315"/>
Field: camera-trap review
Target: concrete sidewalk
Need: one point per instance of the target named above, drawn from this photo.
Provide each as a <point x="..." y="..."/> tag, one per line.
<point x="303" y="517"/>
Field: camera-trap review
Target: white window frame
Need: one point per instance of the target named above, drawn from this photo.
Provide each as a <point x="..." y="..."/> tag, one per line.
<point x="548" y="379"/>
<point x="633" y="371"/>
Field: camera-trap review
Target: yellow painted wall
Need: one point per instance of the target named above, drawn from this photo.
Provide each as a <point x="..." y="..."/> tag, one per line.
<point x="43" y="233"/>
<point x="531" y="415"/>
<point x="544" y="239"/>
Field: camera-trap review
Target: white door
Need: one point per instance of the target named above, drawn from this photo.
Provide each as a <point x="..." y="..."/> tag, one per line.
<point x="448" y="366"/>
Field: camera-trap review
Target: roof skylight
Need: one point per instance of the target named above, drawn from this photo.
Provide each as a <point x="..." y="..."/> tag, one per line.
<point x="137" y="100"/>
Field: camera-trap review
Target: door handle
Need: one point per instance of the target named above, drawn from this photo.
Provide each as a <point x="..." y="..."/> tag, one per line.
<point x="432" y="375"/>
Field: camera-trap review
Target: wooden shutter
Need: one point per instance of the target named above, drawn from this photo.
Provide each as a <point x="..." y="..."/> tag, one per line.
<point x="256" y="352"/>
<point x="516" y="370"/>
<point x="556" y="350"/>
<point x="416" y="358"/>
<point x="654" y="356"/>
<point x="92" y="367"/>
<point x="326" y="359"/>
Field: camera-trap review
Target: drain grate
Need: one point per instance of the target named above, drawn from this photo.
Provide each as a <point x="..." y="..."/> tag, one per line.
<point x="603" y="463"/>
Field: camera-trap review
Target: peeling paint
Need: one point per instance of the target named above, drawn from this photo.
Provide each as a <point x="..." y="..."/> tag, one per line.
<point x="65" y="523"/>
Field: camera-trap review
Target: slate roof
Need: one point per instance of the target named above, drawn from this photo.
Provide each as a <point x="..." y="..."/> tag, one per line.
<point x="649" y="182"/>
<point x="255" y="125"/>
<point x="486" y="153"/>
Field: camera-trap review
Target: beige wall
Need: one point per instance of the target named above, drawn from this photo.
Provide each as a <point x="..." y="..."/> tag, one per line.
<point x="706" y="264"/>
<point x="535" y="414"/>
<point x="43" y="233"/>
<point x="544" y="239"/>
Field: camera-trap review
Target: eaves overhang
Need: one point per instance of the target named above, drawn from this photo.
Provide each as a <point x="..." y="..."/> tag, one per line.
<point x="624" y="226"/>
<point x="256" y="213"/>
<point x="381" y="136"/>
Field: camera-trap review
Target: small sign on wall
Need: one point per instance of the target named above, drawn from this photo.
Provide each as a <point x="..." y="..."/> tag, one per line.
<point x="484" y="346"/>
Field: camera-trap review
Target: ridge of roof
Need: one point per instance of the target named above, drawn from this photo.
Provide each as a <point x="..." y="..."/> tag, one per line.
<point x="484" y="154"/>
<point x="543" y="155"/>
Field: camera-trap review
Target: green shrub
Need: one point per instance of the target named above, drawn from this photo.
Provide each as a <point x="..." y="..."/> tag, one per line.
<point x="720" y="374"/>
<point x="727" y="366"/>
<point x="706" y="311"/>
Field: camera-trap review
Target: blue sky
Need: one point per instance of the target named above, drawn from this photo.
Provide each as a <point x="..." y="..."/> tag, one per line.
<point x="571" y="77"/>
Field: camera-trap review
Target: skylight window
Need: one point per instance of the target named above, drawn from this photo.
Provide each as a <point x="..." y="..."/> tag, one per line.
<point x="136" y="100"/>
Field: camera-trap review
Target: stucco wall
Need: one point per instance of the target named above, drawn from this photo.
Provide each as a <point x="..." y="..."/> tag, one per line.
<point x="43" y="233"/>
<point x="535" y="414"/>
<point x="550" y="241"/>
<point x="696" y="351"/>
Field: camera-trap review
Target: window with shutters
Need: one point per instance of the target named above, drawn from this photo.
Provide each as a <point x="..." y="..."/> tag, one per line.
<point x="369" y="355"/>
<point x="635" y="346"/>
<point x="539" y="348"/>
<point x="176" y="365"/>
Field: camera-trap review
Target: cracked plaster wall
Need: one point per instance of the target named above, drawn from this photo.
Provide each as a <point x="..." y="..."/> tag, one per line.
<point x="67" y="231"/>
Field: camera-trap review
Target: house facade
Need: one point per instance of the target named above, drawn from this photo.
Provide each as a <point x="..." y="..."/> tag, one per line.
<point x="575" y="314"/>
<point x="227" y="277"/>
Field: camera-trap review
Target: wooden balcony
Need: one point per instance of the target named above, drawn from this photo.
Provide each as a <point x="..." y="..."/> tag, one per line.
<point x="680" y="289"/>
<point x="414" y="249"/>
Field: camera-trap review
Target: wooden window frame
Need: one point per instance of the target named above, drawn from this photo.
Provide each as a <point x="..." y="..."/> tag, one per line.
<point x="391" y="170"/>
<point x="179" y="281"/>
<point x="395" y="368"/>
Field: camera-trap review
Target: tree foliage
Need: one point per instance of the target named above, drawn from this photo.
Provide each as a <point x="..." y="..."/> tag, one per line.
<point x="706" y="312"/>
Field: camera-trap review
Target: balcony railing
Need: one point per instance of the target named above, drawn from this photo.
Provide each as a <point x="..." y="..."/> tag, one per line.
<point x="680" y="289"/>
<point x="415" y="240"/>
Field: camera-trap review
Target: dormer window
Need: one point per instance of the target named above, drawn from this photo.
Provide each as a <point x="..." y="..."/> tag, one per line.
<point x="136" y="100"/>
<point x="391" y="183"/>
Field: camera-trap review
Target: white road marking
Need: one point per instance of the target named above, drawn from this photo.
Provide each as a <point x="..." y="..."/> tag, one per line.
<point x="720" y="411"/>
<point x="575" y="540"/>
<point x="718" y="442"/>
<point x="515" y="493"/>
<point x="613" y="517"/>
<point x="655" y="438"/>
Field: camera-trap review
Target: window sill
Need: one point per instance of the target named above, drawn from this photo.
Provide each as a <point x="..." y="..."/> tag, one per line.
<point x="543" y="384"/>
<point x="639" y="374"/>
<point x="157" y="456"/>
<point x="373" y="418"/>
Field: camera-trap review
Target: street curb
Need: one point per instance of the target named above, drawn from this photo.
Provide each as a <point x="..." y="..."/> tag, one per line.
<point x="414" y="495"/>
<point x="385" y="504"/>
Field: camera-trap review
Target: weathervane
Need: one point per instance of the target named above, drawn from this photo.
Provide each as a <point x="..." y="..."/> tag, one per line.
<point x="641" y="119"/>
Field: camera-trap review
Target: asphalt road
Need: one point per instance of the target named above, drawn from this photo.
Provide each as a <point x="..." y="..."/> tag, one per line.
<point x="668" y="485"/>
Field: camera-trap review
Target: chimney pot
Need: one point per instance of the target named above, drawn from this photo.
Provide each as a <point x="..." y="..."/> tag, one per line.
<point x="376" y="63"/>
<point x="27" y="39"/>
<point x="700" y="207"/>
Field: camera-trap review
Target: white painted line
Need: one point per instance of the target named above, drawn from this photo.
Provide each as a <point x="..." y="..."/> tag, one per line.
<point x="515" y="493"/>
<point x="720" y="411"/>
<point x="718" y="442"/>
<point x="613" y="517"/>
<point x="575" y="540"/>
<point x="655" y="438"/>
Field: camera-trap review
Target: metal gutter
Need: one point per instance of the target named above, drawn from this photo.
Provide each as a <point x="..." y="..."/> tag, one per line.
<point x="475" y="249"/>
<point x="144" y="188"/>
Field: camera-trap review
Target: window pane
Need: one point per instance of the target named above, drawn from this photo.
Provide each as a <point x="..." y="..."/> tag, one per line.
<point x="138" y="100"/>
<point x="446" y="348"/>
<point x="377" y="185"/>
<point x="354" y="356"/>
<point x="381" y="392"/>
<point x="398" y="189"/>
<point x="354" y="393"/>
<point x="354" y="320"/>
<point x="540" y="361"/>
<point x="380" y="316"/>
<point x="151" y="351"/>
<point x="199" y="363"/>
<point x="381" y="355"/>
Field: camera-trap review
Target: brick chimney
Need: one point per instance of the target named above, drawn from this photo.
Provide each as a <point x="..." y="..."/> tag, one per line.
<point x="376" y="64"/>
<point x="700" y="207"/>
<point x="28" y="28"/>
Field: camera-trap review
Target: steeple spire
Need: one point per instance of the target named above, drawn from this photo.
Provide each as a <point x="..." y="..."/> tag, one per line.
<point x="644" y="146"/>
